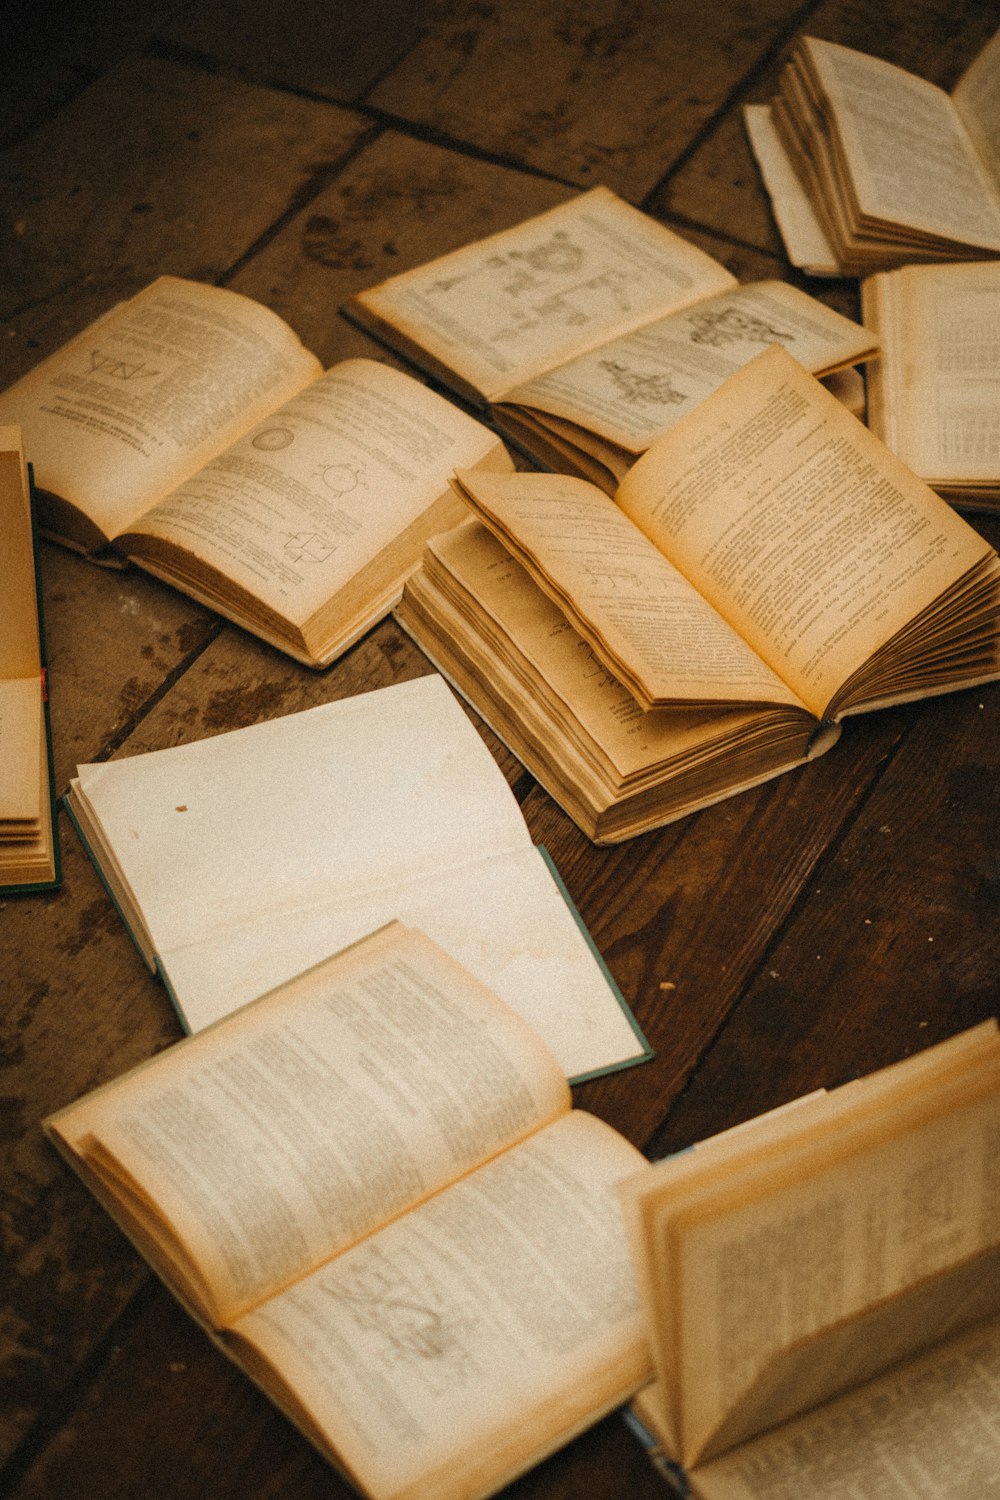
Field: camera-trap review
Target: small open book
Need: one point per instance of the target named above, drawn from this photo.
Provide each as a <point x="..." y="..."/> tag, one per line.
<point x="766" y="569"/>
<point x="823" y="1291"/>
<point x="189" y="431"/>
<point x="371" y="1189"/>
<point x="869" y="166"/>
<point x="29" y="851"/>
<point x="588" y="330"/>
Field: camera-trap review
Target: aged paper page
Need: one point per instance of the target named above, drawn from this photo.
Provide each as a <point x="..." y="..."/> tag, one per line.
<point x="824" y="1234"/>
<point x="938" y="379"/>
<point x="519" y="302"/>
<point x="928" y="1429"/>
<point x="911" y="161"/>
<point x="797" y="525"/>
<point x="303" y="501"/>
<point x="806" y="243"/>
<point x="144" y="396"/>
<point x="21" y="768"/>
<point x="502" y="916"/>
<point x="297" y="1127"/>
<point x="642" y="618"/>
<point x="633" y="388"/>
<point x="477" y="1333"/>
<point x="349" y="798"/>
<point x="976" y="97"/>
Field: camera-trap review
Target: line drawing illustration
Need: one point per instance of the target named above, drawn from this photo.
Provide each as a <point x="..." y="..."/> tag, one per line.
<point x="653" y="388"/>
<point x="118" y="368"/>
<point x="730" y="325"/>
<point x="308" y="547"/>
<point x="273" y="439"/>
<point x="340" y="478"/>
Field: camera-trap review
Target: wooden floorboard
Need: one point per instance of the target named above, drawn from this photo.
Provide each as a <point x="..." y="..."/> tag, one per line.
<point x="826" y="923"/>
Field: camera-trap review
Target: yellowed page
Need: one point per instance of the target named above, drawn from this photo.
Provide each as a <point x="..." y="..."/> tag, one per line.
<point x="303" y="501"/>
<point x="806" y="243"/>
<point x="911" y="160"/>
<point x="928" y="1429"/>
<point x="797" y="525"/>
<point x="20" y="649"/>
<point x="508" y="307"/>
<point x="939" y="375"/>
<point x="300" y="1124"/>
<point x="849" y="1221"/>
<point x="642" y="618"/>
<point x="147" y="394"/>
<point x="633" y="388"/>
<point x="458" y="1346"/>
<point x="21" y="770"/>
<point x="976" y="97"/>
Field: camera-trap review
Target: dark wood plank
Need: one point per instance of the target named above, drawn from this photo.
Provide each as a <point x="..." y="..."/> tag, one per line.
<point x="584" y="90"/>
<point x="331" y="51"/>
<point x="897" y="945"/>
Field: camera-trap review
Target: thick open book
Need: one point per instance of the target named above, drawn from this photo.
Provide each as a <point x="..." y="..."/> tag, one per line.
<point x="586" y="331"/>
<point x="29" y="850"/>
<point x="869" y="166"/>
<point x="372" y="1190"/>
<point x="934" y="391"/>
<point x="822" y="1287"/>
<point x="190" y="431"/>
<point x="240" y="860"/>
<point x="765" y="569"/>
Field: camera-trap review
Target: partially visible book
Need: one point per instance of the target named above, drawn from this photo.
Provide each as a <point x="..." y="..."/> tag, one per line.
<point x="189" y="431"/>
<point x="893" y="168"/>
<point x="767" y="568"/>
<point x="29" y="848"/>
<point x="370" y="1187"/>
<point x="934" y="391"/>
<point x="588" y="330"/>
<point x="239" y="860"/>
<point x="822" y="1290"/>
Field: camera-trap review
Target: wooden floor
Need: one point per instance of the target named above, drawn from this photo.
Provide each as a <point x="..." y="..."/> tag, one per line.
<point x="835" y="920"/>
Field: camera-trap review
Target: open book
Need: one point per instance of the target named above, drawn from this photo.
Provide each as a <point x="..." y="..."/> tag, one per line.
<point x="238" y="861"/>
<point x="892" y="168"/>
<point x="190" y="430"/>
<point x="371" y="1188"/>
<point x="934" y="392"/>
<point x="589" y="329"/>
<point x="29" y="851"/>
<point x="823" y="1291"/>
<point x="765" y="569"/>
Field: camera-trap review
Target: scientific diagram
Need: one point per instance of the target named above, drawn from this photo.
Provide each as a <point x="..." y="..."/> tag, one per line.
<point x="731" y="325"/>
<point x="273" y="439"/>
<point x="638" y="388"/>
<point x="340" y="478"/>
<point x="308" y="547"/>
<point x="118" y="368"/>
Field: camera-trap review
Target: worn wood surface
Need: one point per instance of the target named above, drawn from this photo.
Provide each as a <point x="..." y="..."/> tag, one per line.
<point x="827" y="923"/>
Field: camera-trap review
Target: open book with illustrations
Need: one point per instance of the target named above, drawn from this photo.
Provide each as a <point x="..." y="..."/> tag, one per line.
<point x="371" y="1188"/>
<point x="240" y="860"/>
<point x="822" y="1289"/>
<point x="934" y="391"/>
<point x="586" y="331"/>
<point x="892" y="168"/>
<point x="29" y="850"/>
<point x="765" y="569"/>
<point x="189" y="431"/>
